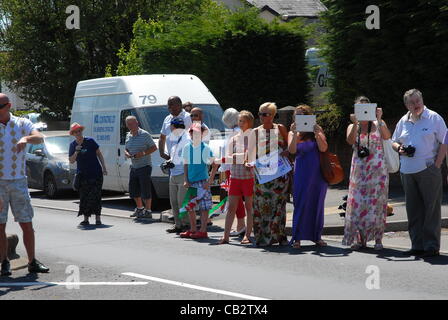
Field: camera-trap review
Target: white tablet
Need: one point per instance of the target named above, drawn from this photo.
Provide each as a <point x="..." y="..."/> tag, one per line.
<point x="365" y="111"/>
<point x="305" y="123"/>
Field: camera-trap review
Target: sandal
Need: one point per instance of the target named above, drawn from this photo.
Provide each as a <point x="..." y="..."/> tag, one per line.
<point x="356" y="246"/>
<point x="378" y="247"/>
<point x="321" y="243"/>
<point x="296" y="245"/>
<point x="246" y="241"/>
<point x="223" y="241"/>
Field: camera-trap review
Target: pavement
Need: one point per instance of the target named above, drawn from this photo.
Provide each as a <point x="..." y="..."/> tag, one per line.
<point x="120" y="206"/>
<point x="130" y="260"/>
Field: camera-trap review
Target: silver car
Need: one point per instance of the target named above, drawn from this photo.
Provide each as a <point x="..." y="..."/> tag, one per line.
<point x="47" y="165"/>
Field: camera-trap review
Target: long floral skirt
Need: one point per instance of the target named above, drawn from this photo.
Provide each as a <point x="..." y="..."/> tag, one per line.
<point x="270" y="211"/>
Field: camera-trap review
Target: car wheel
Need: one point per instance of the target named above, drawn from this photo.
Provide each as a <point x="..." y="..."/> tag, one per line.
<point x="50" y="187"/>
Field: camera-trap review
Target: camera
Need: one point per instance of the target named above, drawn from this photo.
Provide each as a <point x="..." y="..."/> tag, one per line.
<point x="363" y="152"/>
<point x="167" y="166"/>
<point x="409" y="150"/>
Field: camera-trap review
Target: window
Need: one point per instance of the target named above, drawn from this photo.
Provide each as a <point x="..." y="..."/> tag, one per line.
<point x="58" y="145"/>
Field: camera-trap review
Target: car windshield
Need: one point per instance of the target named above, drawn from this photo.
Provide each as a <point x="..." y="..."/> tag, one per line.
<point x="58" y="145"/>
<point x="151" y="118"/>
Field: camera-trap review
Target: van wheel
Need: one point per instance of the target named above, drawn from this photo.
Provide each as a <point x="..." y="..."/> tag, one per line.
<point x="50" y="187"/>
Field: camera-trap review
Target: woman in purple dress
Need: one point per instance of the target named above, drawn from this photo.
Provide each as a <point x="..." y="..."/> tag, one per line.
<point x="310" y="187"/>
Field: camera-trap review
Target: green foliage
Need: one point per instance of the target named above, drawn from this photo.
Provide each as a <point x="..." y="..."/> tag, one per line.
<point x="243" y="60"/>
<point x="44" y="60"/>
<point x="408" y="51"/>
<point x="331" y="119"/>
<point x="20" y="113"/>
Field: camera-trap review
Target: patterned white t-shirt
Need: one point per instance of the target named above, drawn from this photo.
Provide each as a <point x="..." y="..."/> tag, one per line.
<point x="12" y="164"/>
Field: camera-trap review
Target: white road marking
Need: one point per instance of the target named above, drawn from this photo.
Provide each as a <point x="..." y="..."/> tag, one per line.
<point x="29" y="284"/>
<point x="192" y="286"/>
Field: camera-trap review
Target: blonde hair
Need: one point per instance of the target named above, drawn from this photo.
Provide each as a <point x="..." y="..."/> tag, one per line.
<point x="248" y="116"/>
<point x="271" y="106"/>
<point x="306" y="109"/>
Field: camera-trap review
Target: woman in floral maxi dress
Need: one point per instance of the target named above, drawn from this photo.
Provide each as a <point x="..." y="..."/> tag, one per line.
<point x="365" y="218"/>
<point x="270" y="198"/>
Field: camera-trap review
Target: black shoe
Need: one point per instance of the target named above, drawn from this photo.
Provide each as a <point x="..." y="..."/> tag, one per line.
<point x="84" y="223"/>
<point x="98" y="223"/>
<point x="413" y="252"/>
<point x="6" y="268"/>
<point x="174" y="229"/>
<point x="430" y="253"/>
<point x="37" y="267"/>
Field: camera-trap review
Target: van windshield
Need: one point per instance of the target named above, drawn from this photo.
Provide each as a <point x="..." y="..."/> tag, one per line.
<point x="151" y="118"/>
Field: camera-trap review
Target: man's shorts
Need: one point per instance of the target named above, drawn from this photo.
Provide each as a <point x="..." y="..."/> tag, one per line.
<point x="241" y="187"/>
<point x="140" y="183"/>
<point x="15" y="193"/>
<point x="205" y="203"/>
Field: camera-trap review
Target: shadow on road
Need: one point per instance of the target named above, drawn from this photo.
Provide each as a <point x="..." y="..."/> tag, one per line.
<point x="94" y="227"/>
<point x="31" y="277"/>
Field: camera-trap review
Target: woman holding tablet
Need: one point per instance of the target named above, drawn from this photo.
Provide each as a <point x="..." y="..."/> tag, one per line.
<point x="310" y="188"/>
<point x="366" y="213"/>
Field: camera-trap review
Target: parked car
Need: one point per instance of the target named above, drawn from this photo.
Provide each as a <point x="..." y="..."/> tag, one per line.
<point x="47" y="165"/>
<point x="35" y="119"/>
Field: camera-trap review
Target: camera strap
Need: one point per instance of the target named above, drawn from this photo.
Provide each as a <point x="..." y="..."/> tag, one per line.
<point x="368" y="135"/>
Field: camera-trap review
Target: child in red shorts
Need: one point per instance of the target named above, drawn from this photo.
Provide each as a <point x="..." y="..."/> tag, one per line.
<point x="240" y="150"/>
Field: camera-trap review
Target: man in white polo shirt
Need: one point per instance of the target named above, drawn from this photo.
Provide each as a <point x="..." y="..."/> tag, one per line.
<point x="15" y="133"/>
<point x="419" y="139"/>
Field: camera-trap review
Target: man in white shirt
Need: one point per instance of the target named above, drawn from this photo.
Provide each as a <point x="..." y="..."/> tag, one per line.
<point x="419" y="139"/>
<point x="15" y="133"/>
<point x="177" y="190"/>
<point x="175" y="144"/>
<point x="176" y="111"/>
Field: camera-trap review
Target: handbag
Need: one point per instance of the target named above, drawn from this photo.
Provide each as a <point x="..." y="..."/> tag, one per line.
<point x="76" y="182"/>
<point x="391" y="156"/>
<point x="331" y="168"/>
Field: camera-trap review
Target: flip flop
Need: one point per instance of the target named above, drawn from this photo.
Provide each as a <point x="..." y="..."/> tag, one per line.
<point x="321" y="243"/>
<point x="247" y="241"/>
<point x="222" y="241"/>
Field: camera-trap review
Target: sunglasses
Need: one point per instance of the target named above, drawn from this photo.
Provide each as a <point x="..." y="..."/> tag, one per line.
<point x="264" y="114"/>
<point x="3" y="105"/>
<point x="194" y="115"/>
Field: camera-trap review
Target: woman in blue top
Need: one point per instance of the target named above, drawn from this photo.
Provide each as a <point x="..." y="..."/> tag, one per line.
<point x="85" y="152"/>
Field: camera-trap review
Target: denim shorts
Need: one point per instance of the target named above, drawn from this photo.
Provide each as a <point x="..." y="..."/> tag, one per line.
<point x="140" y="183"/>
<point x="15" y="193"/>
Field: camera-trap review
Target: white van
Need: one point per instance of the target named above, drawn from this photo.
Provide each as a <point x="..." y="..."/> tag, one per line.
<point x="101" y="105"/>
<point x="320" y="81"/>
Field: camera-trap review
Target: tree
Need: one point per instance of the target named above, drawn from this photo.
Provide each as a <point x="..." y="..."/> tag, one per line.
<point x="243" y="60"/>
<point x="44" y="60"/>
<point x="408" y="51"/>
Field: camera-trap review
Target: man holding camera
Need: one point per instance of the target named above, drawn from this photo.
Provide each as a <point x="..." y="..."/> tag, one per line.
<point x="175" y="168"/>
<point x="181" y="119"/>
<point x="419" y="139"/>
